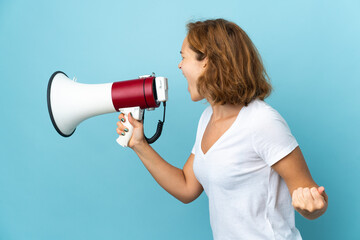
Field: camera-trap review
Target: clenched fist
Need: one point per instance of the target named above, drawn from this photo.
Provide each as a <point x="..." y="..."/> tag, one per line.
<point x="310" y="202"/>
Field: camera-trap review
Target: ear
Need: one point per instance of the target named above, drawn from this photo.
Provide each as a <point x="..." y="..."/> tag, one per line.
<point x="205" y="62"/>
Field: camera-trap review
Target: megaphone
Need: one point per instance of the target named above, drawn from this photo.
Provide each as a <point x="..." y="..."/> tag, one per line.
<point x="70" y="102"/>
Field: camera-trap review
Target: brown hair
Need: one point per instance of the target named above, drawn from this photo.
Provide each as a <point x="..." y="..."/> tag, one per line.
<point x="234" y="73"/>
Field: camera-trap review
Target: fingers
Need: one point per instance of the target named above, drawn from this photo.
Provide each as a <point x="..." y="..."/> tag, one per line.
<point x="121" y="128"/>
<point x="307" y="195"/>
<point x="308" y="199"/>
<point x="122" y="117"/>
<point x="321" y="189"/>
<point x="319" y="200"/>
<point x="298" y="199"/>
<point x="135" y="123"/>
<point x="295" y="200"/>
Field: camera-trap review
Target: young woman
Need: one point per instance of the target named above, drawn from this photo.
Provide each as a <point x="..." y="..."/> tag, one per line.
<point x="244" y="156"/>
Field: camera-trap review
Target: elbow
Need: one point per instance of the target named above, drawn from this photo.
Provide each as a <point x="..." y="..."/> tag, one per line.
<point x="189" y="196"/>
<point x="186" y="200"/>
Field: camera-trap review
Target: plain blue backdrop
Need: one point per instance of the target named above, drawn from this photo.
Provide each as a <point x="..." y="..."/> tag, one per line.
<point x="88" y="187"/>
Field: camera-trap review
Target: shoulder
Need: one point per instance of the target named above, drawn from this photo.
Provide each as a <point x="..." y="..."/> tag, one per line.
<point x="271" y="136"/>
<point x="262" y="115"/>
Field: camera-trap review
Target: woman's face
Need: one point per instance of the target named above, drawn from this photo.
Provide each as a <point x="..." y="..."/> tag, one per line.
<point x="192" y="69"/>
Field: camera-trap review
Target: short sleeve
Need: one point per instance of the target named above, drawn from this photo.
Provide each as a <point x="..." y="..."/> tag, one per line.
<point x="193" y="149"/>
<point x="272" y="139"/>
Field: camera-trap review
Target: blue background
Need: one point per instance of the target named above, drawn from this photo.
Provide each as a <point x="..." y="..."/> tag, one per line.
<point x="87" y="187"/>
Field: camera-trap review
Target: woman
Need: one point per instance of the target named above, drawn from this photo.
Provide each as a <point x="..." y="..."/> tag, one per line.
<point x="244" y="156"/>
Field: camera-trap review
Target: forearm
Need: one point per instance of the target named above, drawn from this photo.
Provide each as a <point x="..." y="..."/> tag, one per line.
<point x="308" y="198"/>
<point x="171" y="178"/>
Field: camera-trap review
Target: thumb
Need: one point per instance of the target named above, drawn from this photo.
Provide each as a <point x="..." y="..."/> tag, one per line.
<point x="135" y="123"/>
<point x="321" y="189"/>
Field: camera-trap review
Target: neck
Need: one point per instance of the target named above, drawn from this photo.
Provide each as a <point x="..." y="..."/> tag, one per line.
<point x="221" y="112"/>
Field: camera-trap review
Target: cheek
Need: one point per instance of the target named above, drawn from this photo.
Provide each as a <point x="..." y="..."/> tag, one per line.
<point x="191" y="72"/>
<point x="187" y="73"/>
<point x="184" y="68"/>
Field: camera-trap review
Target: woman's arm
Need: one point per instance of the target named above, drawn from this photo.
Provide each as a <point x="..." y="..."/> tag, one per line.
<point x="308" y="198"/>
<point x="181" y="183"/>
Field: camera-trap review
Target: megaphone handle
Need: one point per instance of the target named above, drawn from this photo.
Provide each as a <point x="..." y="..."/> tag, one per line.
<point x="137" y="113"/>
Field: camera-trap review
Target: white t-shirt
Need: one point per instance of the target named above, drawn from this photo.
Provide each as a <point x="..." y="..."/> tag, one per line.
<point x="247" y="198"/>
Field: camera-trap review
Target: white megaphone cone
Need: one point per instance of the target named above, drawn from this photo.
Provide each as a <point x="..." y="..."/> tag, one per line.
<point x="70" y="103"/>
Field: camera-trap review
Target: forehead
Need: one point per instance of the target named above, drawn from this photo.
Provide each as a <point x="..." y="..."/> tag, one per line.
<point x="185" y="46"/>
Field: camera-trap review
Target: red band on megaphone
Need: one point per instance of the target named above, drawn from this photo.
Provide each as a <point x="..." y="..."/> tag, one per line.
<point x="134" y="93"/>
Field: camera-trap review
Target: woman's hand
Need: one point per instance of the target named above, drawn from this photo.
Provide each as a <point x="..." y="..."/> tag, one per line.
<point x="310" y="202"/>
<point x="137" y="137"/>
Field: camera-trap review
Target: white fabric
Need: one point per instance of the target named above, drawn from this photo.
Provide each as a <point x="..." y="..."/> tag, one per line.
<point x="247" y="198"/>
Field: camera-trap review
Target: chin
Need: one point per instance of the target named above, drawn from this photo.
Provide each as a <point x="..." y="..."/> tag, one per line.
<point x="196" y="98"/>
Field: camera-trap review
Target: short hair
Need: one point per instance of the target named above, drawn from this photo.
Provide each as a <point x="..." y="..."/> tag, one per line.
<point x="234" y="73"/>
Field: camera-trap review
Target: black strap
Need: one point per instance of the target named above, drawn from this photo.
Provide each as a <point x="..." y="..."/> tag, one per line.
<point x="158" y="129"/>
